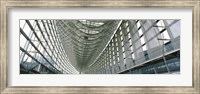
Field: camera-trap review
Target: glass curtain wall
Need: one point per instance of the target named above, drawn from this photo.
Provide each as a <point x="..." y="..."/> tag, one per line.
<point x="141" y="47"/>
<point x="41" y="51"/>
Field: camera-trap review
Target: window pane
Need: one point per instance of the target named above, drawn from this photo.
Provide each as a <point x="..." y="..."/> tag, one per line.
<point x="123" y="49"/>
<point x="138" y="24"/>
<point x="22" y="41"/>
<point x="165" y="36"/>
<point x="133" y="55"/>
<point x="120" y="32"/>
<point x="115" y="35"/>
<point x="32" y="22"/>
<point x="140" y="32"/>
<point x="144" y="48"/>
<point x="122" y="43"/>
<point x="130" y="41"/>
<point x="123" y="55"/>
<point x="131" y="48"/>
<point x="129" y="35"/>
<point x="26" y="29"/>
<point x="117" y="59"/>
<point x="142" y="40"/>
<point x="126" y="23"/>
<point x="121" y="38"/>
<point x="160" y="25"/>
<point x="127" y="29"/>
<point x="22" y="23"/>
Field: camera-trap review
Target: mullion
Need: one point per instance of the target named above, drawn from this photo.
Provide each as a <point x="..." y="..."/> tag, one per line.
<point x="39" y="39"/>
<point x="42" y="34"/>
<point x="22" y="32"/>
<point x="51" y="35"/>
<point x="47" y="34"/>
<point x="34" y="58"/>
<point x="44" y="37"/>
<point x="26" y="47"/>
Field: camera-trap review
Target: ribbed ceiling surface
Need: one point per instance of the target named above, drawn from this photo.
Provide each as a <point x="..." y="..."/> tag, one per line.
<point x="83" y="40"/>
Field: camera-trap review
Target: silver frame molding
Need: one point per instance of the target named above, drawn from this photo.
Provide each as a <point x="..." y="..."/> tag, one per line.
<point x="6" y="4"/>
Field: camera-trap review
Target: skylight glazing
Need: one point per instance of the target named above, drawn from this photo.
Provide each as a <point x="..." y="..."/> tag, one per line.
<point x="91" y="23"/>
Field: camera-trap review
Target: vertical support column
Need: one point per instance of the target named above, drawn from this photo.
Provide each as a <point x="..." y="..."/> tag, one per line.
<point x="121" y="58"/>
<point x="117" y="64"/>
<point x="126" y="45"/>
<point x="132" y="32"/>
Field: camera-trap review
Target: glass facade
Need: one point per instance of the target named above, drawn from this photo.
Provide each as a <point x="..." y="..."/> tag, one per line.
<point x="141" y="47"/>
<point x="99" y="46"/>
<point x="41" y="50"/>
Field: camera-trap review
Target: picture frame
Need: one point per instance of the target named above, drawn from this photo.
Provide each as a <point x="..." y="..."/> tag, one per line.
<point x="7" y="4"/>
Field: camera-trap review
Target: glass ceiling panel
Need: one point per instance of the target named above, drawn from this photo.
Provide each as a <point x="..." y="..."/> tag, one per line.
<point x="91" y="23"/>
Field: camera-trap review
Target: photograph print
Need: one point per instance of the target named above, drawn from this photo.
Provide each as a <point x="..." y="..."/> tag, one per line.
<point x="98" y="46"/>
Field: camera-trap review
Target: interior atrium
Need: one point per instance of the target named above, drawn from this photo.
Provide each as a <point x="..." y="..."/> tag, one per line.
<point x="99" y="46"/>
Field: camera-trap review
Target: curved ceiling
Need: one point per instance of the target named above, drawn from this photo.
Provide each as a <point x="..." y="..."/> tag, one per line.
<point x="83" y="40"/>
